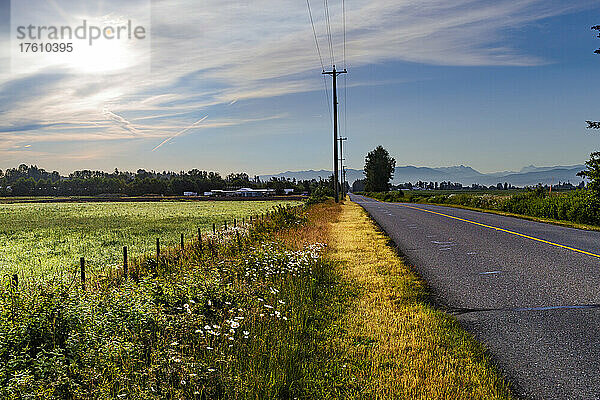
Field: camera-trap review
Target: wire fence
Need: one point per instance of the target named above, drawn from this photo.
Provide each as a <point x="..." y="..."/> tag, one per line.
<point x="229" y="237"/>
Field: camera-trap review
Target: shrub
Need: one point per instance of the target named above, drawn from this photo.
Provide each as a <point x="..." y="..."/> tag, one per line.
<point x="319" y="195"/>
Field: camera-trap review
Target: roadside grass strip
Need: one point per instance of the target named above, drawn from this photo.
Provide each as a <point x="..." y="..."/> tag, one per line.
<point x="248" y="318"/>
<point x="407" y="348"/>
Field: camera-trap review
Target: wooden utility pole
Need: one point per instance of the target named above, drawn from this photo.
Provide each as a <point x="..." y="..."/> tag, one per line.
<point x="344" y="181"/>
<point x="342" y="175"/>
<point x="336" y="181"/>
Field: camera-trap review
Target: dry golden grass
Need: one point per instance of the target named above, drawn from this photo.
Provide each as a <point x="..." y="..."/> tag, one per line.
<point x="320" y="217"/>
<point x="406" y="347"/>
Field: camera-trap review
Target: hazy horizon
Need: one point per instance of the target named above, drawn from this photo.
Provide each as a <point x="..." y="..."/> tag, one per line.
<point x="252" y="174"/>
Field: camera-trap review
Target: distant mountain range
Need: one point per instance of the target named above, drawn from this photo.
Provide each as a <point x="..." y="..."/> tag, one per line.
<point x="527" y="176"/>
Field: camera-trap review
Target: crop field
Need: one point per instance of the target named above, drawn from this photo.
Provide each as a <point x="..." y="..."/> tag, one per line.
<point x="47" y="240"/>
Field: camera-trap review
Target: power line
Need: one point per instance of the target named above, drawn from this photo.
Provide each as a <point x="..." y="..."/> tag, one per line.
<point x="312" y="22"/>
<point x="328" y="23"/>
<point x="327" y="98"/>
<point x="345" y="109"/>
<point x="344" y="28"/>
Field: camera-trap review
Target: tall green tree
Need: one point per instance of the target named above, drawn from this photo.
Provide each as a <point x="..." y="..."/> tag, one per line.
<point x="593" y="173"/>
<point x="593" y="164"/>
<point x="595" y="124"/>
<point x="379" y="170"/>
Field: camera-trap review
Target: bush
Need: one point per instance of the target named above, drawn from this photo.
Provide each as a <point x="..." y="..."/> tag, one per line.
<point x="578" y="206"/>
<point x="319" y="195"/>
<point x="394" y="196"/>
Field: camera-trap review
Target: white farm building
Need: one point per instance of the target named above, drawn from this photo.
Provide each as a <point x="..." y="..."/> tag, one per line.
<point x="243" y="192"/>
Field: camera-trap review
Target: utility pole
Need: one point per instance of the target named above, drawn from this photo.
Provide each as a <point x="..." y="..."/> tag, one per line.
<point x="336" y="181"/>
<point x="344" y="180"/>
<point x="342" y="159"/>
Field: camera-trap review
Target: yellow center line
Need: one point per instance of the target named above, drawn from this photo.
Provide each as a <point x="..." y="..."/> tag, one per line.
<point x="503" y="230"/>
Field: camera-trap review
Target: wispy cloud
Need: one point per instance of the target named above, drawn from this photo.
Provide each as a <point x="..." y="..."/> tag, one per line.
<point x="120" y="121"/>
<point x="221" y="52"/>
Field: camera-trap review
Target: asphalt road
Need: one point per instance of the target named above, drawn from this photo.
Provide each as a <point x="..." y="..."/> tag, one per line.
<point x="534" y="305"/>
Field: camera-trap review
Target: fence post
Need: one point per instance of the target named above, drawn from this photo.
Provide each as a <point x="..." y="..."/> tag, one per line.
<point x="214" y="228"/>
<point x="157" y="250"/>
<point x="237" y="233"/>
<point x="234" y="223"/>
<point x="182" y="242"/>
<point x="82" y="265"/>
<point x="125" y="264"/>
<point x="15" y="281"/>
<point x="225" y="224"/>
<point x="200" y="239"/>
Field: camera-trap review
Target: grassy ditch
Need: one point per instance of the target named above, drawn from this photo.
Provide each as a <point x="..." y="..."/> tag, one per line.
<point x="407" y="348"/>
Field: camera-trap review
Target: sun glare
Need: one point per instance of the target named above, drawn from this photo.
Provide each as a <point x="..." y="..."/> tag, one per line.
<point x="82" y="44"/>
<point x="103" y="55"/>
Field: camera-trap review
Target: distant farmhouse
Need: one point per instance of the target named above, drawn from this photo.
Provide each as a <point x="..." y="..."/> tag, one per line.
<point x="243" y="192"/>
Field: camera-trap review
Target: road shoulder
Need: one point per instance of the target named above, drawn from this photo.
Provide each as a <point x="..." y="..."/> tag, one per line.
<point x="409" y="349"/>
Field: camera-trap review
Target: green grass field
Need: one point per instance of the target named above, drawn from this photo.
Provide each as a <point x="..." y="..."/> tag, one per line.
<point x="46" y="240"/>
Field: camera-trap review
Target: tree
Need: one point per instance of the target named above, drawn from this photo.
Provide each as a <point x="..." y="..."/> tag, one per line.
<point x="594" y="124"/>
<point x="358" y="186"/>
<point x="379" y="170"/>
<point x="593" y="173"/>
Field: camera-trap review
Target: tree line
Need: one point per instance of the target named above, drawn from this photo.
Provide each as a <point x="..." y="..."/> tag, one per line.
<point x="34" y="181"/>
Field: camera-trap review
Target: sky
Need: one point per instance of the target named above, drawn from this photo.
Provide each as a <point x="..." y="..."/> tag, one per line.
<point x="237" y="86"/>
